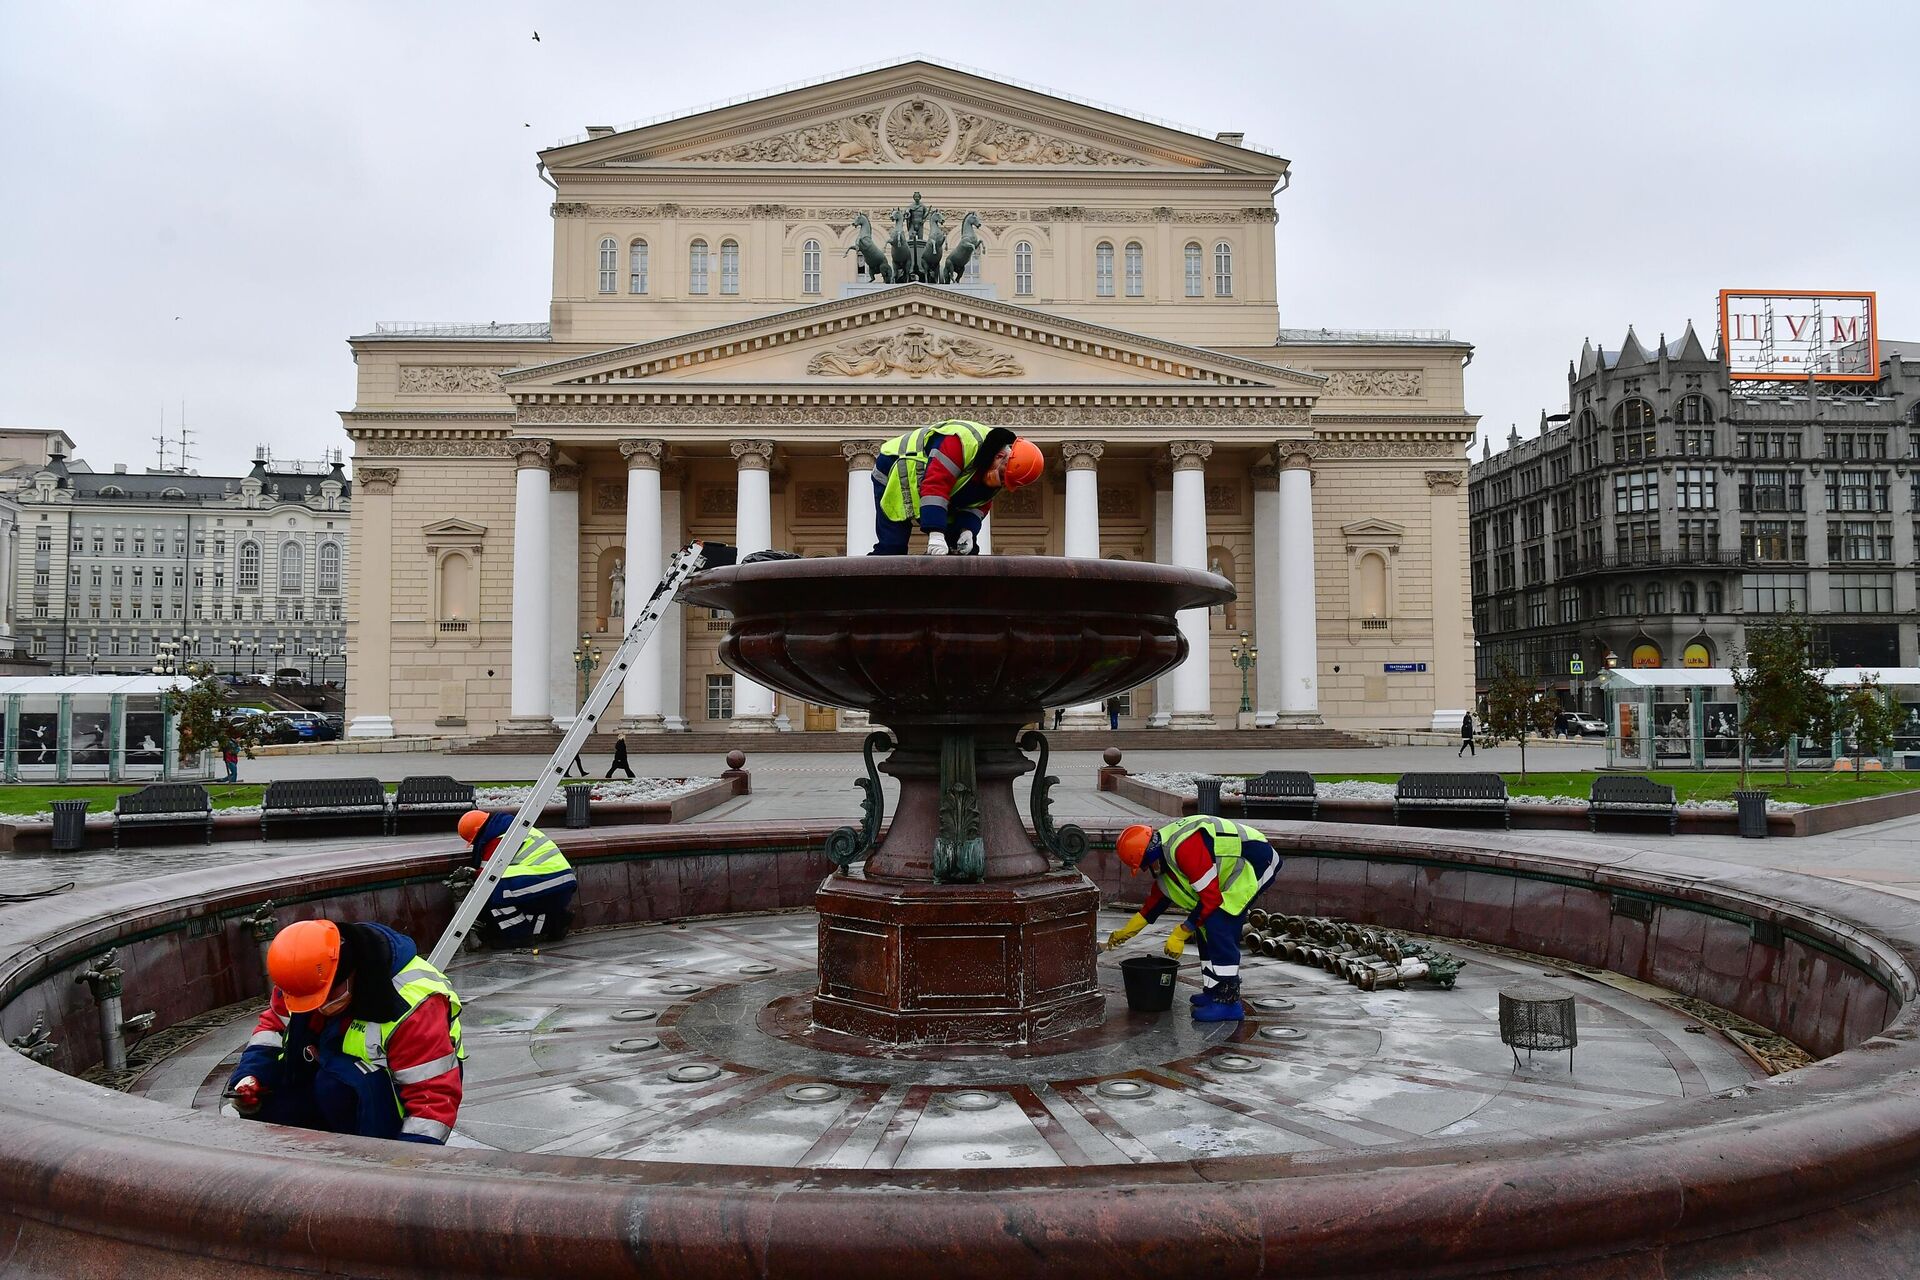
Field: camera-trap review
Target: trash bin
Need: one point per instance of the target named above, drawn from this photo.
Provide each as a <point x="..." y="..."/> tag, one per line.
<point x="1753" y="813"/>
<point x="1910" y="762"/>
<point x="1209" y="796"/>
<point x="70" y="825"/>
<point x="1149" y="982"/>
<point x="579" y="802"/>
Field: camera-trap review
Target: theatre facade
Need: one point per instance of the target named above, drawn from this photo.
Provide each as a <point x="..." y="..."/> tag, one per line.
<point x="736" y="326"/>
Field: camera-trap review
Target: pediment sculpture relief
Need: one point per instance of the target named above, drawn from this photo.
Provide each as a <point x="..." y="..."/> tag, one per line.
<point x="849" y="140"/>
<point x="916" y="131"/>
<point x="1373" y="382"/>
<point x="915" y="351"/>
<point x="984" y="140"/>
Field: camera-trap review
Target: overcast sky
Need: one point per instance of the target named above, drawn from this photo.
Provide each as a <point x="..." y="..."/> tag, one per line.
<point x="201" y="202"/>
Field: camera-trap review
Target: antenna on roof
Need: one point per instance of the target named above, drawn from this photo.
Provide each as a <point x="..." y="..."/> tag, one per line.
<point x="161" y="439"/>
<point x="186" y="455"/>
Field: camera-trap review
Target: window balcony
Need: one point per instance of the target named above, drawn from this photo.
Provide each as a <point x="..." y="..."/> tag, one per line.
<point x="1678" y="558"/>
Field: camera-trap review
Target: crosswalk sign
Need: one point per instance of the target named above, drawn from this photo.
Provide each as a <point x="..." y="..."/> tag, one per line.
<point x="1576" y="666"/>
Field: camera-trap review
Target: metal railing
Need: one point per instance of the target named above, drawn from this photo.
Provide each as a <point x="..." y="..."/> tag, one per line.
<point x="1365" y="335"/>
<point x="1677" y="559"/>
<point x="456" y="329"/>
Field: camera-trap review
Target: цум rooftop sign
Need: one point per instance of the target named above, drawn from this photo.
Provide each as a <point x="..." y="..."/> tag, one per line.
<point x="1787" y="334"/>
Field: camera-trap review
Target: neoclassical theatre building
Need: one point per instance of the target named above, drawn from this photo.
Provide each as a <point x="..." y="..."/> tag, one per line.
<point x="748" y="300"/>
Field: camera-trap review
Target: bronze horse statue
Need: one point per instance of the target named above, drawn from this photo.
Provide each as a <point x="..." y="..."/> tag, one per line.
<point x="876" y="261"/>
<point x="955" y="267"/>
<point x="928" y="267"/>
<point x="899" y="250"/>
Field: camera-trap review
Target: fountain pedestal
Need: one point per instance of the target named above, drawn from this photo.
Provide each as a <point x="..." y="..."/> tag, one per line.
<point x="955" y="930"/>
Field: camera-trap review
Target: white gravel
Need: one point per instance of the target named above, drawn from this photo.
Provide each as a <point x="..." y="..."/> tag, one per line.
<point x="1183" y="784"/>
<point x="487" y="797"/>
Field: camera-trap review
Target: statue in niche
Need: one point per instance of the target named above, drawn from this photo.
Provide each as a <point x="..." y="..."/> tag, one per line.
<point x="617" y="591"/>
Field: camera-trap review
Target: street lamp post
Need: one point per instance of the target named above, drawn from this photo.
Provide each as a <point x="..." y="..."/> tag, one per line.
<point x="277" y="648"/>
<point x="585" y="658"/>
<point x="236" y="647"/>
<point x="253" y="656"/>
<point x="93" y="661"/>
<point x="1244" y="656"/>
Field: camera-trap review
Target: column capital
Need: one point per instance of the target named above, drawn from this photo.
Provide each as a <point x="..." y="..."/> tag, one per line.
<point x="566" y="478"/>
<point x="753" y="455"/>
<point x="374" y="481"/>
<point x="1082" y="455"/>
<point x="1190" y="455"/>
<point x="531" y="455"/>
<point x="643" y="455"/>
<point x="1295" y="455"/>
<point x="860" y="454"/>
<point x="1445" y="481"/>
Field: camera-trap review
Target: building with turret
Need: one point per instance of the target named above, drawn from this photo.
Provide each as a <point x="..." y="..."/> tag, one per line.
<point x="1669" y="505"/>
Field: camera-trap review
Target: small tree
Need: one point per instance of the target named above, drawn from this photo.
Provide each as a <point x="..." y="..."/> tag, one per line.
<point x="1517" y="707"/>
<point x="205" y="720"/>
<point x="1781" y="688"/>
<point x="1868" y="718"/>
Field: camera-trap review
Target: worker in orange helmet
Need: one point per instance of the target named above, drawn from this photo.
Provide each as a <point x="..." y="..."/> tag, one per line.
<point x="1212" y="869"/>
<point x="946" y="477"/>
<point x="532" y="901"/>
<point x="360" y="1036"/>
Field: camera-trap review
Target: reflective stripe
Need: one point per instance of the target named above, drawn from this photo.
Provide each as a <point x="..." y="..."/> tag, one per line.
<point x="376" y="1042"/>
<point x="1213" y="873"/>
<point x="1226" y="971"/>
<point x="426" y="1128"/>
<point x="933" y="500"/>
<point x="540" y="886"/>
<point x="1238" y="883"/>
<point x="427" y="1070"/>
<point x="275" y="1039"/>
<point x="952" y="467"/>
<point x="900" y="488"/>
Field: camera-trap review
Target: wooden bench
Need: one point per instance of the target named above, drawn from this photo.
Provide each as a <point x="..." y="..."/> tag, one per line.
<point x="322" y="799"/>
<point x="432" y="795"/>
<point x="1471" y="793"/>
<point x="1632" y="796"/>
<point x="1281" y="793"/>
<point x="165" y="804"/>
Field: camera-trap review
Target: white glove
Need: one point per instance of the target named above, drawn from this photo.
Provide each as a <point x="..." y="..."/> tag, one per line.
<point x="936" y="543"/>
<point x="963" y="545"/>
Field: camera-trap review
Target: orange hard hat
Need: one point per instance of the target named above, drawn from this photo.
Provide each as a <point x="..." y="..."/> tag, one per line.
<point x="1025" y="462"/>
<point x="1132" y="845"/>
<point x="302" y="962"/>
<point x="470" y="823"/>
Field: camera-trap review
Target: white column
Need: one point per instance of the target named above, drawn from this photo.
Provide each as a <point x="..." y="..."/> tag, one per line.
<point x="860" y="456"/>
<point x="1299" y="648"/>
<point x="1083" y="541"/>
<point x="1193" y="681"/>
<point x="1452" y="678"/>
<point x="563" y="591"/>
<point x="1163" y="554"/>
<point x="530" y="696"/>
<point x="673" y="626"/>
<point x="984" y="542"/>
<point x="370" y="632"/>
<point x="642" y="694"/>
<point x="1267" y="598"/>
<point x="753" y="531"/>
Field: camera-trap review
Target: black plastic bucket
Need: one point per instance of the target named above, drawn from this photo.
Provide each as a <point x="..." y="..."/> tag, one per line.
<point x="1149" y="982"/>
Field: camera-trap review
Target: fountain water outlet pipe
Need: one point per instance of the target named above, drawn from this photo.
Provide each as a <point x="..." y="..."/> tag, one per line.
<point x="103" y="977"/>
<point x="264" y="926"/>
<point x="36" y="1045"/>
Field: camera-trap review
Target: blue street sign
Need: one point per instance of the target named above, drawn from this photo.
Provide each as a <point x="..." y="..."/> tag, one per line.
<point x="1404" y="668"/>
<point x="1576" y="667"/>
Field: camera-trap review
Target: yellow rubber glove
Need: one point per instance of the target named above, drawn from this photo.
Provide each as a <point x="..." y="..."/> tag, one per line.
<point x="1126" y="931"/>
<point x="1177" y="941"/>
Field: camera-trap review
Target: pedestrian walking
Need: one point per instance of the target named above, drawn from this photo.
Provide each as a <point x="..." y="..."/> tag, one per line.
<point x="1466" y="737"/>
<point x="230" y="753"/>
<point x="568" y="771"/>
<point x="1058" y="712"/>
<point x="1113" y="713"/>
<point x="620" y="758"/>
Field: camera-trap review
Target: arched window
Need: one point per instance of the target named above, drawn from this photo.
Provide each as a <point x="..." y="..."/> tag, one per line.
<point x="810" y="267"/>
<point x="1136" y="270"/>
<point x="1713" y="597"/>
<point x="1196" y="270"/>
<point x="1103" y="269"/>
<point x="609" y="265"/>
<point x="1634" y="435"/>
<point x="1624" y="599"/>
<point x="1632" y="415"/>
<point x="1023" y="269"/>
<point x="729" y="266"/>
<point x="697" y="267"/>
<point x="1656" y="598"/>
<point x="637" y="267"/>
<point x="1372" y="602"/>
<point x="1693" y="410"/>
<point x="292" y="567"/>
<point x="1223" y="270"/>
<point x="972" y="273"/>
<point x="1689" y="598"/>
<point x="330" y="568"/>
<point x="248" y="578"/>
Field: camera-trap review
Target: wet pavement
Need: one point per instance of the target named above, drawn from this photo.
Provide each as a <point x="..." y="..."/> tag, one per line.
<point x="690" y="1043"/>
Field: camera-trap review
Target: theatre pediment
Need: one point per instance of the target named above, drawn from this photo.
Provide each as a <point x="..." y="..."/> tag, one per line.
<point x="917" y="115"/>
<point x="910" y="335"/>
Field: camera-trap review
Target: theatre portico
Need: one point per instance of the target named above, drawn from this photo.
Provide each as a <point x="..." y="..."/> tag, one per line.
<point x="718" y="363"/>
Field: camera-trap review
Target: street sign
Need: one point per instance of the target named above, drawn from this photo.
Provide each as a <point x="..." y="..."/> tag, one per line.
<point x="1576" y="666"/>
<point x="1404" y="668"/>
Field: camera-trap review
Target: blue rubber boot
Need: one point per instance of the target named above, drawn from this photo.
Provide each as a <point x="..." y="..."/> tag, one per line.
<point x="1199" y="998"/>
<point x="1213" y="1011"/>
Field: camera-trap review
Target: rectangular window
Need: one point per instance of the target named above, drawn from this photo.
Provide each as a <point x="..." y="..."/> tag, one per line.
<point x="1636" y="541"/>
<point x="1537" y="609"/>
<point x="1857" y="490"/>
<point x="1772" y="491"/>
<point x="1774" y="592"/>
<point x="1859" y="541"/>
<point x="1774" y="540"/>
<point x="1693" y="489"/>
<point x="1699" y="539"/>
<point x="1860" y="592"/>
<point x="1636" y="491"/>
<point x="1845" y="446"/>
<point x="79" y="544"/>
<point x="1697" y="444"/>
<point x="44" y="544"/>
<point x="99" y="544"/>
<point x="139" y="546"/>
<point x="40" y="578"/>
<point x="1569" y="604"/>
<point x="719" y="697"/>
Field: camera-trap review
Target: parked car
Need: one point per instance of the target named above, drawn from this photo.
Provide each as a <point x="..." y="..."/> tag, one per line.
<point x="299" y="726"/>
<point x="1575" y="724"/>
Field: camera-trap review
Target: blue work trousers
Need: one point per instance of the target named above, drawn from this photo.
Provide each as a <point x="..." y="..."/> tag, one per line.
<point x="1220" y="932"/>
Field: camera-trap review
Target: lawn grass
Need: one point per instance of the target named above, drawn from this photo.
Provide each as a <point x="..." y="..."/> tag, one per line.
<point x="1810" y="786"/>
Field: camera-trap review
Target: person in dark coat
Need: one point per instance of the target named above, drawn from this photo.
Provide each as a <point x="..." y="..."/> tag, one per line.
<point x="1466" y="737"/>
<point x="620" y="758"/>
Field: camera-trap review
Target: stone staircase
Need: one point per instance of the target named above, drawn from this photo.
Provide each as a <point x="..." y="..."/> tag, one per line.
<point x="705" y="743"/>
